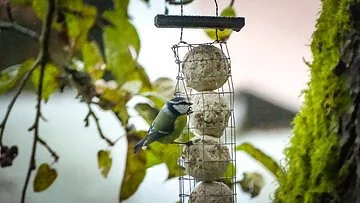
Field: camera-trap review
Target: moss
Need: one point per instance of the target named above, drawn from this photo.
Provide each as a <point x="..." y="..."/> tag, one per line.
<point x="312" y="158"/>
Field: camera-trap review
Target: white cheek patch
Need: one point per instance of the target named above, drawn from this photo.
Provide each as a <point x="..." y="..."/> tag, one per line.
<point x="181" y="108"/>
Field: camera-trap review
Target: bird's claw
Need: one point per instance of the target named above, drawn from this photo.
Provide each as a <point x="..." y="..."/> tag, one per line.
<point x="188" y="143"/>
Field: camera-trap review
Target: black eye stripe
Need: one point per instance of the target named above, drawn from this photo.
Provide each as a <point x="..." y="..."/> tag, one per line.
<point x="184" y="102"/>
<point x="180" y="102"/>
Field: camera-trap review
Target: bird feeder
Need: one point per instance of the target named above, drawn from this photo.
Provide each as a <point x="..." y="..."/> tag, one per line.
<point x="207" y="163"/>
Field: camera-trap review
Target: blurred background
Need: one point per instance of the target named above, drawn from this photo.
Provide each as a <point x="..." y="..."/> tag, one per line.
<point x="268" y="71"/>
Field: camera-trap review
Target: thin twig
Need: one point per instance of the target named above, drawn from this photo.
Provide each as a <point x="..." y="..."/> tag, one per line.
<point x="232" y="3"/>
<point x="96" y="119"/>
<point x="51" y="151"/>
<point x="13" y="100"/>
<point x="43" y="58"/>
<point x="19" y="28"/>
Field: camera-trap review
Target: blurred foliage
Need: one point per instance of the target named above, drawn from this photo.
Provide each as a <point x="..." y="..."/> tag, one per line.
<point x="252" y="183"/>
<point x="222" y="35"/>
<point x="135" y="167"/>
<point x="50" y="82"/>
<point x="13" y="75"/>
<point x="268" y="162"/>
<point x="229" y="174"/>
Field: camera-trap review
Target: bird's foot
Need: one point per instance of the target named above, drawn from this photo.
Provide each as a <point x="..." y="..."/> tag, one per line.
<point x="188" y="143"/>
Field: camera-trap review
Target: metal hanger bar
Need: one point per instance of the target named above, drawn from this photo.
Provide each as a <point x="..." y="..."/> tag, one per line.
<point x="176" y="21"/>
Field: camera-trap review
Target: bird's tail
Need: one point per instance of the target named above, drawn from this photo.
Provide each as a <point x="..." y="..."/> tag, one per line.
<point x="139" y="145"/>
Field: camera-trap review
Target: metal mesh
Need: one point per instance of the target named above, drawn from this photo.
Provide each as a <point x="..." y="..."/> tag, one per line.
<point x="225" y="93"/>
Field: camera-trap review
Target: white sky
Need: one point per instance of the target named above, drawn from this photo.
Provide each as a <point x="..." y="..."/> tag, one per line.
<point x="266" y="54"/>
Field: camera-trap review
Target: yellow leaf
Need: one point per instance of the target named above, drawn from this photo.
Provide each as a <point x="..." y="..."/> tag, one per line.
<point x="229" y="174"/>
<point x="93" y="60"/>
<point x="50" y="82"/>
<point x="146" y="111"/>
<point x="135" y="167"/>
<point x="252" y="183"/>
<point x="10" y="76"/>
<point x="45" y="176"/>
<point x="104" y="162"/>
<point x="222" y="35"/>
<point x="261" y="157"/>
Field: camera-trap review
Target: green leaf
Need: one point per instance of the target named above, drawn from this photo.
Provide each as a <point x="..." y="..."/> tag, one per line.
<point x="229" y="174"/>
<point x="40" y="8"/>
<point x="44" y="178"/>
<point x="154" y="155"/>
<point x="157" y="100"/>
<point x="116" y="100"/>
<point x="135" y="167"/>
<point x="10" y="76"/>
<point x="152" y="159"/>
<point x="223" y="35"/>
<point x="164" y="153"/>
<point x="170" y="156"/>
<point x="146" y="111"/>
<point x="121" y="6"/>
<point x="264" y="159"/>
<point x="252" y="183"/>
<point x="104" y="162"/>
<point x="123" y="115"/>
<point x="164" y="87"/>
<point x="133" y="86"/>
<point x="121" y="42"/>
<point x="139" y="74"/>
<point x="78" y="25"/>
<point x="185" y="136"/>
<point x="93" y="60"/>
<point x="51" y="80"/>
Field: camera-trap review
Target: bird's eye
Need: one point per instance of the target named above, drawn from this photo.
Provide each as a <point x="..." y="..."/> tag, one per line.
<point x="189" y="111"/>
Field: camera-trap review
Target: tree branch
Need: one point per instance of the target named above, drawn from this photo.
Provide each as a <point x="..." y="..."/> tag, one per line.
<point x="96" y="119"/>
<point x="43" y="58"/>
<point x="232" y="3"/>
<point x="19" y="28"/>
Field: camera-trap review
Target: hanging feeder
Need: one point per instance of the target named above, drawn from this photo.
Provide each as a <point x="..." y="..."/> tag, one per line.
<point x="207" y="167"/>
<point x="215" y="22"/>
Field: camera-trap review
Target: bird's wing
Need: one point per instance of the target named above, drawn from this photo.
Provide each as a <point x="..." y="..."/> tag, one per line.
<point x="154" y="134"/>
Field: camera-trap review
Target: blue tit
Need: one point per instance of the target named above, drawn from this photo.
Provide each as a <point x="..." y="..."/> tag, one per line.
<point x="168" y="124"/>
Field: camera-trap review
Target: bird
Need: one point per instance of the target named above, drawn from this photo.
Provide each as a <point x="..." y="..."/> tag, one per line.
<point x="168" y="124"/>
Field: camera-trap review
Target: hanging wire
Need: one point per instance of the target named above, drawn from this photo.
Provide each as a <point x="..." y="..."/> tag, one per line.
<point x="217" y="14"/>
<point x="182" y="13"/>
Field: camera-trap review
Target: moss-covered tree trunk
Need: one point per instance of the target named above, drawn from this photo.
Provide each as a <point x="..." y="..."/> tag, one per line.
<point x="323" y="160"/>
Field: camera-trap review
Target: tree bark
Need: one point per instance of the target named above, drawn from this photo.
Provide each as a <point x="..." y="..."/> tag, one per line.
<point x="323" y="160"/>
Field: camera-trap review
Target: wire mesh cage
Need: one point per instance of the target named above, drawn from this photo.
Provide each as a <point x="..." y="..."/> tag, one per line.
<point x="207" y="165"/>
